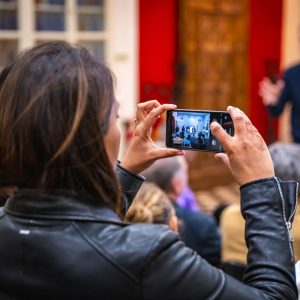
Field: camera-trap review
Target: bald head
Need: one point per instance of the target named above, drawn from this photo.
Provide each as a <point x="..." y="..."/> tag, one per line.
<point x="286" y="160"/>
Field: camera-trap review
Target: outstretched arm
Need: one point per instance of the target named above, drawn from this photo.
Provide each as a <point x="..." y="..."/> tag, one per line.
<point x="142" y="151"/>
<point x="176" y="272"/>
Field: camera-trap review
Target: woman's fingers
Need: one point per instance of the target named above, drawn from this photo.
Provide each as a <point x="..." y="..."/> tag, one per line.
<point x="167" y="152"/>
<point x="239" y="120"/>
<point x="221" y="135"/>
<point x="142" y="151"/>
<point x="247" y="155"/>
<point x="152" y="116"/>
<point x="144" y="108"/>
<point x="222" y="157"/>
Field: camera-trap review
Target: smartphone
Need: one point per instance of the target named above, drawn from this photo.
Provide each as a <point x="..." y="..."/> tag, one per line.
<point x="190" y="129"/>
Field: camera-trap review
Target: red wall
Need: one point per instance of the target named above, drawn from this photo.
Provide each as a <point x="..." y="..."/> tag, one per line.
<point x="157" y="48"/>
<point x="264" y="55"/>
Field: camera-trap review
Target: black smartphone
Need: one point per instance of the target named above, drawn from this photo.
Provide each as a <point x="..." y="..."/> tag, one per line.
<point x="189" y="129"/>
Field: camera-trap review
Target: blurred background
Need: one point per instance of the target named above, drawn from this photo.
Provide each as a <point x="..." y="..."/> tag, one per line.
<point x="199" y="54"/>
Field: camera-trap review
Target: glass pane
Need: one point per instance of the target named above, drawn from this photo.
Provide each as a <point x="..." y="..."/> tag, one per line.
<point x="39" y="42"/>
<point x="90" y="2"/>
<point x="57" y="2"/>
<point x="90" y="22"/>
<point x="90" y="15"/>
<point x="8" y="52"/>
<point x="50" y="15"/>
<point x="50" y="21"/>
<point x="8" y="15"/>
<point x="96" y="48"/>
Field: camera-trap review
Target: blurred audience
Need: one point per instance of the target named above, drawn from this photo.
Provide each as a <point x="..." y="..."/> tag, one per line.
<point x="233" y="242"/>
<point x="152" y="205"/>
<point x="218" y="211"/>
<point x="199" y="231"/>
<point x="187" y="199"/>
<point x="286" y="160"/>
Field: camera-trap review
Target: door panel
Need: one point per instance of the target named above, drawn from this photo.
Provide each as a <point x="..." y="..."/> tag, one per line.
<point x="213" y="47"/>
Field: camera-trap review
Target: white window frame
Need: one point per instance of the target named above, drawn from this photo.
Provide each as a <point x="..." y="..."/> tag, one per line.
<point x="120" y="37"/>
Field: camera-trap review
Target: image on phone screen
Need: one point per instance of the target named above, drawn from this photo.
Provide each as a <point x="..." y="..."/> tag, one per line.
<point x="189" y="129"/>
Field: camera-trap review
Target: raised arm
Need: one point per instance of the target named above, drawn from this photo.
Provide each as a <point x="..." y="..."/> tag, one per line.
<point x="274" y="95"/>
<point x="267" y="206"/>
<point x="142" y="151"/>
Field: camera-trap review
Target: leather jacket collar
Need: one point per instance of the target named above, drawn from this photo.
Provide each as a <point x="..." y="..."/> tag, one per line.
<point x="59" y="205"/>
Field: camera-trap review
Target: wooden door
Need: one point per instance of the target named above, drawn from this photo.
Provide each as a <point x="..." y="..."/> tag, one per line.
<point x="214" y="65"/>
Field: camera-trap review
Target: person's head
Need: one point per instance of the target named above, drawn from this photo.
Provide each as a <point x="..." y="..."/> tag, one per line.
<point x="170" y="174"/>
<point x="286" y="160"/>
<point x="58" y="123"/>
<point x="152" y="205"/>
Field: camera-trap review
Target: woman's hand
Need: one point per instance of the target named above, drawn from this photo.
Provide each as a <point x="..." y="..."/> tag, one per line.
<point x="142" y="151"/>
<point x="247" y="155"/>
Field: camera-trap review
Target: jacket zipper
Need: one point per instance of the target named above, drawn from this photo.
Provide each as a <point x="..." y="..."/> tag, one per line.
<point x="287" y="222"/>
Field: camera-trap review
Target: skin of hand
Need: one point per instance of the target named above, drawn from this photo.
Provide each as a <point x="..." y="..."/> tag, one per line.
<point x="246" y="153"/>
<point x="142" y="152"/>
<point x="270" y="92"/>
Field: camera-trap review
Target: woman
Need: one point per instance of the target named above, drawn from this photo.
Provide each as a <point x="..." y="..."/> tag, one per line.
<point x="151" y="205"/>
<point x="61" y="234"/>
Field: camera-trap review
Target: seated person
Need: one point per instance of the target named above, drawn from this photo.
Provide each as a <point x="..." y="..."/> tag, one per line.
<point x="198" y="231"/>
<point x="201" y="138"/>
<point x="187" y="141"/>
<point x="187" y="200"/>
<point x="232" y="227"/>
<point x="152" y="205"/>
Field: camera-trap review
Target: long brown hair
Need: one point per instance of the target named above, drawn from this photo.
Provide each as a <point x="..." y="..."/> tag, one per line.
<point x="55" y="103"/>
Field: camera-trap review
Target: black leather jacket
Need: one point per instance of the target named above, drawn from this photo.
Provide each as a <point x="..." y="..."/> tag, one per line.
<point x="59" y="246"/>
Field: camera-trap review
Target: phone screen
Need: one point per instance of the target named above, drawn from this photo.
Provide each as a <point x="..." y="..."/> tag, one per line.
<point x="189" y="129"/>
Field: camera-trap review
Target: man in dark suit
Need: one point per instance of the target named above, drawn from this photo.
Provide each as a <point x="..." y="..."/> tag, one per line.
<point x="275" y="94"/>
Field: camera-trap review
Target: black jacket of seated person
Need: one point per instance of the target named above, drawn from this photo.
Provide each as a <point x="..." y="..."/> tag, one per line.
<point x="200" y="233"/>
<point x="58" y="246"/>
